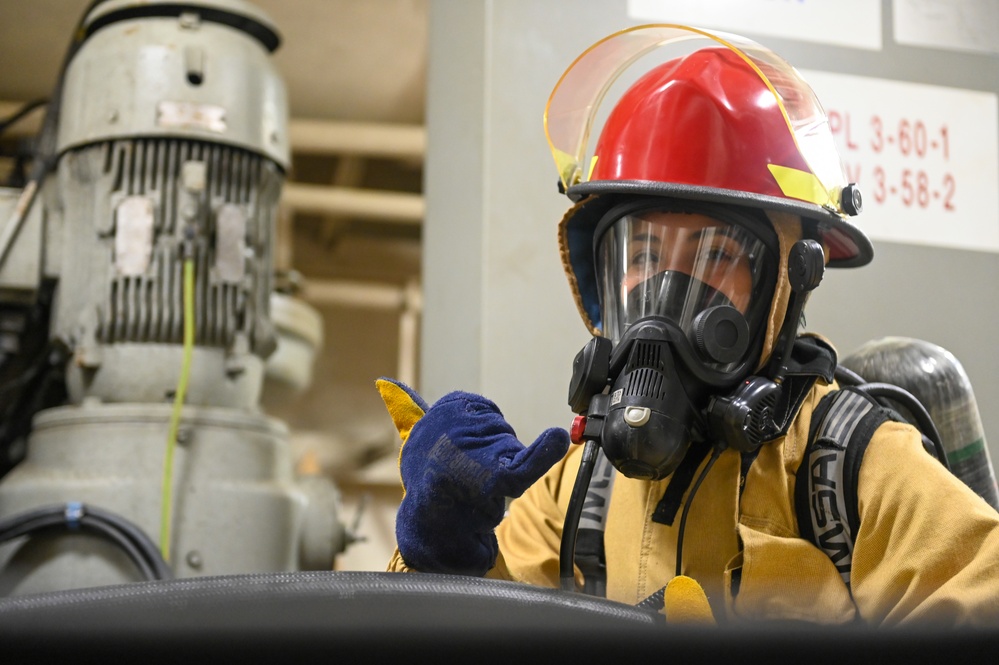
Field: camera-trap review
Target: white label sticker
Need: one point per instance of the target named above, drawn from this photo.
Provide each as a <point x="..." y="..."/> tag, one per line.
<point x="230" y="243"/>
<point x="616" y="396"/>
<point x="926" y="158"/>
<point x="133" y="236"/>
<point x="853" y="23"/>
<point x="188" y="115"/>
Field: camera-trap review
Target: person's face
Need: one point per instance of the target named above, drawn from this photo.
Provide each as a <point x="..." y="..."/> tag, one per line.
<point x="695" y="245"/>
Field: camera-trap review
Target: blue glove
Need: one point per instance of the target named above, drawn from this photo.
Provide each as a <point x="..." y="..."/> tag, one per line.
<point x="459" y="460"/>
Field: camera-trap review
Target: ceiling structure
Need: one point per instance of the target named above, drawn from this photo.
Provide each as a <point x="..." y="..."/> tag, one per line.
<point x="341" y="59"/>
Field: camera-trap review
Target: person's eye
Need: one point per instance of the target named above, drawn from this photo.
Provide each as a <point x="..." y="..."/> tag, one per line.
<point x="645" y="259"/>
<point x="722" y="250"/>
<point x="718" y="254"/>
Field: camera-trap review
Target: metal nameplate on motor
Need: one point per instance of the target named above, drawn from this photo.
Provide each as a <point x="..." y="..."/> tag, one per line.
<point x="188" y="115"/>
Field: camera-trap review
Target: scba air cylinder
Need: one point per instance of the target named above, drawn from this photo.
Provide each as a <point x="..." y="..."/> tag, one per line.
<point x="937" y="379"/>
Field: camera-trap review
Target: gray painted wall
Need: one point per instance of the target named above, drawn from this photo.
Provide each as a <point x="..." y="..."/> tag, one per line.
<point x="499" y="318"/>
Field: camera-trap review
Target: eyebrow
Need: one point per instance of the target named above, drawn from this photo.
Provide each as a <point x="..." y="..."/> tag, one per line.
<point x="724" y="231"/>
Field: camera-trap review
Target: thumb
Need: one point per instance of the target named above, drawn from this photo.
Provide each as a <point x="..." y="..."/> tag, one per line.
<point x="530" y="463"/>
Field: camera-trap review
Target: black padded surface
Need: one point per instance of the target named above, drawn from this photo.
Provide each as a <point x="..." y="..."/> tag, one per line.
<point x="320" y="600"/>
<point x="381" y="617"/>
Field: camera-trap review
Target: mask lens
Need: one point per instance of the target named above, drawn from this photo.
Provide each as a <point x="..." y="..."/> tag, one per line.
<point x="676" y="265"/>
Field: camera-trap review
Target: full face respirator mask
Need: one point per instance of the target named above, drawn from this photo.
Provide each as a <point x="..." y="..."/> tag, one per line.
<point x="685" y="292"/>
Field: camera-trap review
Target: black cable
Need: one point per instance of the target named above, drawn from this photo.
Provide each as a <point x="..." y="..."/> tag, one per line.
<point x="123" y="542"/>
<point x="924" y="421"/>
<point x="715" y="454"/>
<point x="656" y="601"/>
<point x="889" y="391"/>
<point x="139" y="548"/>
<point x="21" y="113"/>
<point x="45" y="148"/>
<point x="30" y="525"/>
<point x="58" y="522"/>
<point x="570" y="528"/>
<point x="145" y="544"/>
<point x="50" y="124"/>
<point x="77" y="516"/>
<point x="847" y="377"/>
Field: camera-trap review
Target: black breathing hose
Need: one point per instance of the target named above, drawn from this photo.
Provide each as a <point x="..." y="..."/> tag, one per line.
<point x="924" y="422"/>
<point x="75" y="516"/>
<point x="847" y="377"/>
<point x="572" y="514"/>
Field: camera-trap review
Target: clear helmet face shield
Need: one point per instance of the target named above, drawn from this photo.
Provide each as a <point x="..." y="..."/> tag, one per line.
<point x="671" y="110"/>
<point x="708" y="275"/>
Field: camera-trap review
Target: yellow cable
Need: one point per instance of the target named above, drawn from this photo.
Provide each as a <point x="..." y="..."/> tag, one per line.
<point x="178" y="404"/>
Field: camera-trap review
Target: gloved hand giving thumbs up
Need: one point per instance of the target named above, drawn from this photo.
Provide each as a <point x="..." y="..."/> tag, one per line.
<point x="459" y="460"/>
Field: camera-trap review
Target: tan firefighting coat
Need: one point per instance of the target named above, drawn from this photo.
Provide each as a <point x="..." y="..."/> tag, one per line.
<point x="927" y="548"/>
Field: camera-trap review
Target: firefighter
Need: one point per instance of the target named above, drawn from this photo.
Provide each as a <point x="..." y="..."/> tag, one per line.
<point x="712" y="202"/>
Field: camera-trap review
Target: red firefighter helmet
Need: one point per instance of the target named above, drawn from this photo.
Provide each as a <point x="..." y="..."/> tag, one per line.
<point x="728" y="122"/>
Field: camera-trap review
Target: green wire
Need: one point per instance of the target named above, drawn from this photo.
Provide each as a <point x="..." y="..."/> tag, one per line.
<point x="178" y="404"/>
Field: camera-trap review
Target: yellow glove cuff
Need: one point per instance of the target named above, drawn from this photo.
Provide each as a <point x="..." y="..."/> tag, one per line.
<point x="686" y="603"/>
<point x="404" y="411"/>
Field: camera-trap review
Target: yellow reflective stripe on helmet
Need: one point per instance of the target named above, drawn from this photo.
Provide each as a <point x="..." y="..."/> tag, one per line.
<point x="568" y="167"/>
<point x="797" y="184"/>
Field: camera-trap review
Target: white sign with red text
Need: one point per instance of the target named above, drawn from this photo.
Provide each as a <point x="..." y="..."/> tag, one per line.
<point x="926" y="158"/>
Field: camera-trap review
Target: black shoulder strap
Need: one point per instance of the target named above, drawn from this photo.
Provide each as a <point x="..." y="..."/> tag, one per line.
<point x="668" y="506"/>
<point x="826" y="489"/>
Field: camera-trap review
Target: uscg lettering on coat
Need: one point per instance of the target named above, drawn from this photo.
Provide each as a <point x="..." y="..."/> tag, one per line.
<point x="598" y="493"/>
<point x="825" y="489"/>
